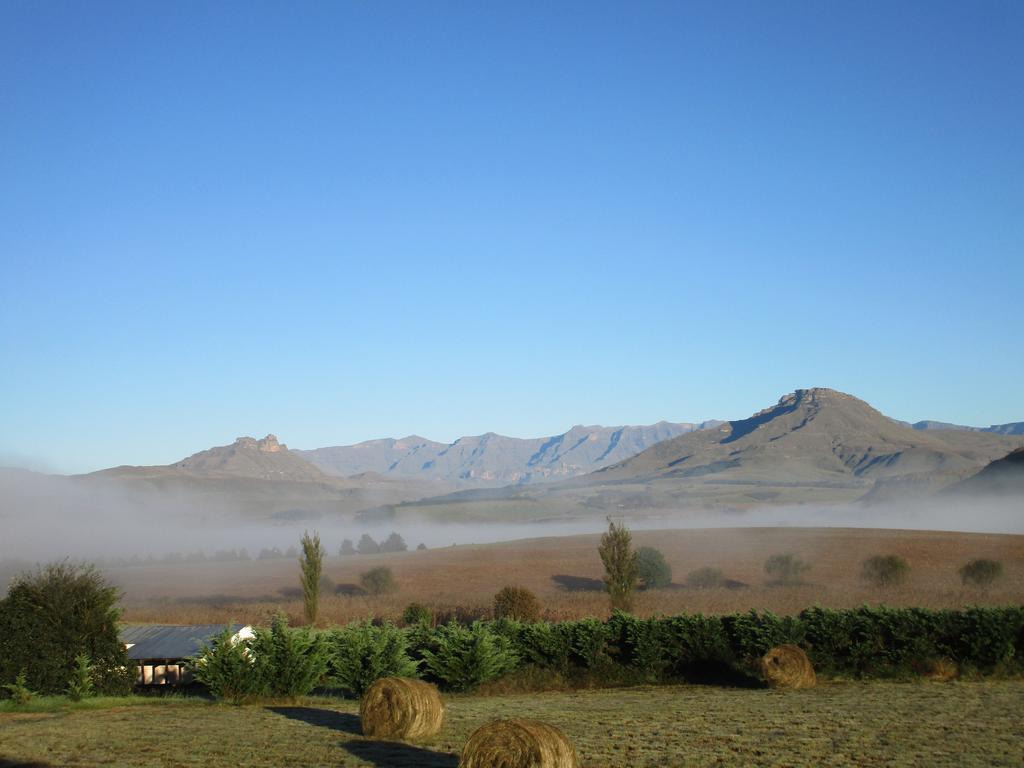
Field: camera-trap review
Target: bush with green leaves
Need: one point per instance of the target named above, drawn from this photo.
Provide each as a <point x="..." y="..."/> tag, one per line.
<point x="51" y="616"/>
<point x="706" y="578"/>
<point x="378" y="581"/>
<point x="416" y="614"/>
<point x="287" y="662"/>
<point x="80" y="685"/>
<point x="981" y="572"/>
<point x="517" y="603"/>
<point x="463" y="657"/>
<point x="786" y="569"/>
<point x="18" y="691"/>
<point x="652" y="568"/>
<point x="885" y="570"/>
<point x="363" y="653"/>
<point x="226" y="667"/>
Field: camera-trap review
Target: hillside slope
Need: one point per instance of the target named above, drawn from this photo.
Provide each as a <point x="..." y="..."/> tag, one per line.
<point x="814" y="446"/>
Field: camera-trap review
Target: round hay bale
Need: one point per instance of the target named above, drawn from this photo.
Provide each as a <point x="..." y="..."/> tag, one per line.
<point x="787" y="666"/>
<point x="518" y="743"/>
<point x="401" y="708"/>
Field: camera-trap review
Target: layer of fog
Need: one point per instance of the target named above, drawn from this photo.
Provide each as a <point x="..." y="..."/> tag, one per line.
<point x="48" y="518"/>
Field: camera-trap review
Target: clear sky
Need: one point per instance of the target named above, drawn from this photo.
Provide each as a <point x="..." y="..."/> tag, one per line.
<point x="339" y="221"/>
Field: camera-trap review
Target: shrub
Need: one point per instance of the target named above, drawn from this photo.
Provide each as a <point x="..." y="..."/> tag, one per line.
<point x="620" y="565"/>
<point x="981" y="572"/>
<point x="421" y="547"/>
<point x="226" y="668"/>
<point x="516" y="603"/>
<point x="705" y="578"/>
<point x="653" y="571"/>
<point x="19" y="690"/>
<point x="462" y="658"/>
<point x="287" y="663"/>
<point x="80" y="685"/>
<point x="785" y="569"/>
<point x="885" y="570"/>
<point x="51" y="616"/>
<point x="378" y="581"/>
<point x="363" y="653"/>
<point x="417" y="614"/>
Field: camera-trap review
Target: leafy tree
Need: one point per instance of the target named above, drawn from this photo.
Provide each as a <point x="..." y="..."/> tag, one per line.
<point x="311" y="563"/>
<point x="462" y="657"/>
<point x="785" y="569"/>
<point x="421" y="546"/>
<point x="981" y="572"/>
<point x="80" y="686"/>
<point x="363" y="653"/>
<point x="53" y="615"/>
<point x="378" y="581"/>
<point x="620" y="565"/>
<point x="885" y="570"/>
<point x="367" y="546"/>
<point x="517" y="603"/>
<point x="393" y="543"/>
<point x="347" y="548"/>
<point x="653" y="570"/>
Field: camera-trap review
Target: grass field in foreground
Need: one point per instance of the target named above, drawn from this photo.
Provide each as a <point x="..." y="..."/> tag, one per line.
<point x="874" y="723"/>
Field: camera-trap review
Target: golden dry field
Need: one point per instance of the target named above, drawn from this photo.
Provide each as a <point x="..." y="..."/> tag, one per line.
<point x="565" y="573"/>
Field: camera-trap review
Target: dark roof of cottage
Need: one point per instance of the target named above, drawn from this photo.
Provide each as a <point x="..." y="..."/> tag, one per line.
<point x="161" y="641"/>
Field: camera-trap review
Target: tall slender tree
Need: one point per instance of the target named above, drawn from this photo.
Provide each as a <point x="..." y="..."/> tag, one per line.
<point x="620" y="565"/>
<point x="311" y="561"/>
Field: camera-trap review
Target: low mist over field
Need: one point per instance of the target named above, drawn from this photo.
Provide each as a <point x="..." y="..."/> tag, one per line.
<point x="817" y="458"/>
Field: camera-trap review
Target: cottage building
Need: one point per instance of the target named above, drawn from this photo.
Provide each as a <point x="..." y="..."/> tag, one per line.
<point x="162" y="650"/>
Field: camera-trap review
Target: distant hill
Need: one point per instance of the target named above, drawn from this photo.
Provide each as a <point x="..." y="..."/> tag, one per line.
<point x="814" y="446"/>
<point x="1014" y="428"/>
<point x="493" y="460"/>
<point x="255" y="479"/>
<point x="1002" y="478"/>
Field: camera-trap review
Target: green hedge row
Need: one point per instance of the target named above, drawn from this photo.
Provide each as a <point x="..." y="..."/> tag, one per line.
<point x="859" y="643"/>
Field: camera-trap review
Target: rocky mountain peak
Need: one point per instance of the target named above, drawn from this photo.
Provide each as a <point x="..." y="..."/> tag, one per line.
<point x="268" y="444"/>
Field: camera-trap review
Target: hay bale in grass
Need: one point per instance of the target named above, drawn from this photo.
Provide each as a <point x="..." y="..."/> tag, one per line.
<point x="787" y="666"/>
<point x="518" y="743"/>
<point x="401" y="708"/>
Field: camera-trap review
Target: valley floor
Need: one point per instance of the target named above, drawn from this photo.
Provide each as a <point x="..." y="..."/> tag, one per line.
<point x="959" y="723"/>
<point x="566" y="572"/>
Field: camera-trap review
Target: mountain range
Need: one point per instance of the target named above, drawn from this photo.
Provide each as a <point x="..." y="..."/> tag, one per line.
<point x="815" y="446"/>
<point x="493" y="460"/>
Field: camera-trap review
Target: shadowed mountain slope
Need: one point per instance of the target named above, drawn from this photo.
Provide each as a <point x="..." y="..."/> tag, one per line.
<point x="493" y="460"/>
<point x="1002" y="478"/>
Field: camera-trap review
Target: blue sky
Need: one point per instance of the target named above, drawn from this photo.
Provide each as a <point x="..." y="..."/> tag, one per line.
<point x="341" y="221"/>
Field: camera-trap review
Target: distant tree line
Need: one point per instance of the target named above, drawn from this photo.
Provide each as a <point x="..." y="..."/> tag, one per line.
<point x="368" y="546"/>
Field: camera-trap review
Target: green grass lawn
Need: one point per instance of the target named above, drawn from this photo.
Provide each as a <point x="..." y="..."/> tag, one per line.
<point x="873" y="723"/>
